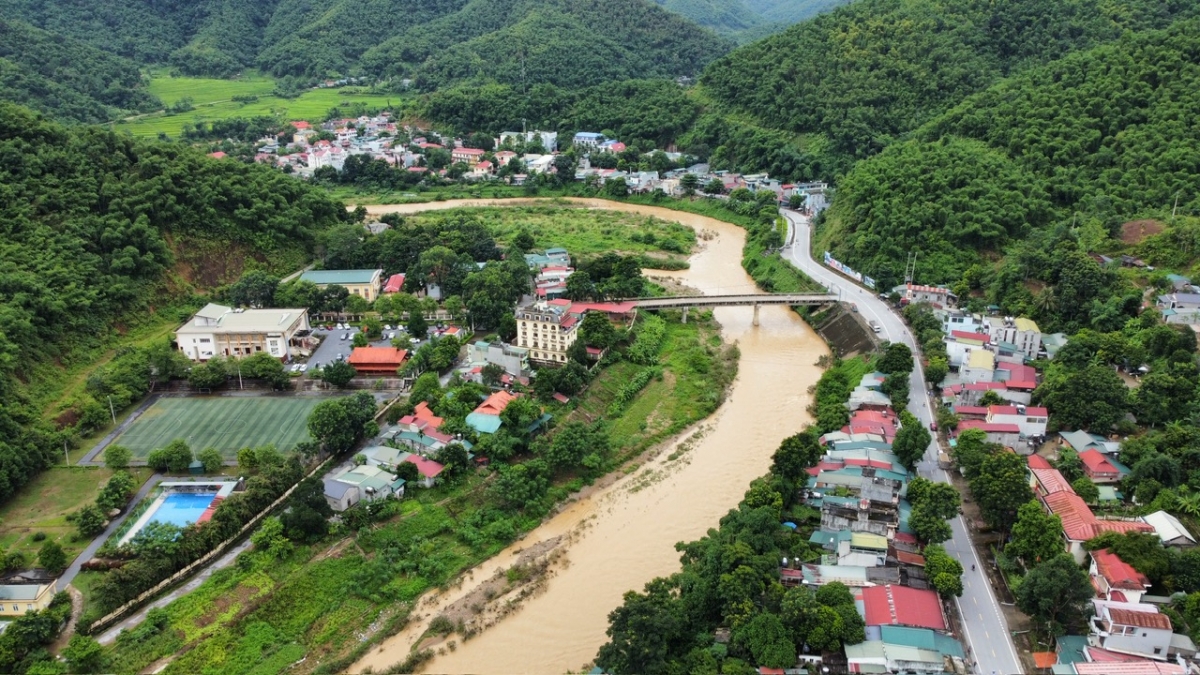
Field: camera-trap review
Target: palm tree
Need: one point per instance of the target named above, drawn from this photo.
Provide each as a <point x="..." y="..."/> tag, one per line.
<point x="1187" y="502"/>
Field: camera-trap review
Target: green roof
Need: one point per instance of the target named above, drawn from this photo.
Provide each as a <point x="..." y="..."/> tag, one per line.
<point x="921" y="638"/>
<point x="339" y="277"/>
<point x="1070" y="649"/>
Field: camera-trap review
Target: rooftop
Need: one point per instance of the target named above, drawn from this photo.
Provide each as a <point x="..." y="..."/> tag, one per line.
<point x="213" y="318"/>
<point x="903" y="606"/>
<point x="339" y="277"/>
<point x="377" y="356"/>
<point x="1118" y="573"/>
<point x="1129" y="617"/>
<point x="1167" y="526"/>
<point x="981" y="359"/>
<point x="21" y="592"/>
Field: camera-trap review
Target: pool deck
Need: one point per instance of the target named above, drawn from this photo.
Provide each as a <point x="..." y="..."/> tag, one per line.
<point x="222" y="490"/>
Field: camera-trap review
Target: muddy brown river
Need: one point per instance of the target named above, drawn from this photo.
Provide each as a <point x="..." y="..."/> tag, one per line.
<point x="623" y="535"/>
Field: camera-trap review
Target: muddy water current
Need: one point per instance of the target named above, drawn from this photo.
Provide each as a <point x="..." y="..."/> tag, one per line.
<point x="621" y="535"/>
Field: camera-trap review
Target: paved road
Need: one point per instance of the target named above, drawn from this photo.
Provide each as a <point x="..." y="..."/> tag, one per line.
<point x="987" y="634"/>
<point x="91" y="549"/>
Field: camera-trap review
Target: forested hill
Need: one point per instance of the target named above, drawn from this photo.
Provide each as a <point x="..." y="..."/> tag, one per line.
<point x="748" y="20"/>
<point x="1095" y="139"/>
<point x="434" y="42"/>
<point x="856" y="79"/>
<point x="66" y="78"/>
<point x="97" y="230"/>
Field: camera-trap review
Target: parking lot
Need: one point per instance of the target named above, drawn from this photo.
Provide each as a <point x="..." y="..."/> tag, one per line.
<point x="332" y="345"/>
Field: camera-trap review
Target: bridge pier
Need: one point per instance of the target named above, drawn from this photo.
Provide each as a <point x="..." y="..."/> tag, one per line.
<point x="685" y="311"/>
<point x="755" y="323"/>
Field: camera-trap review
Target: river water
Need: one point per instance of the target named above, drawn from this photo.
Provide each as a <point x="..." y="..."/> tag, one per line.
<point x="624" y="534"/>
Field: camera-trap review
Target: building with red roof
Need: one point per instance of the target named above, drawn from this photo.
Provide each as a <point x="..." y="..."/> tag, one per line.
<point x="395" y="284"/>
<point x="1115" y="579"/>
<point x="300" y="125"/>
<point x="890" y="605"/>
<point x="468" y="156"/>
<point x="1045" y="479"/>
<point x="496" y="403"/>
<point x="1128" y="628"/>
<point x="968" y="335"/>
<point x="1098" y="467"/>
<point x="377" y="360"/>
<point x="428" y="469"/>
<point x="1080" y="524"/>
<point x="1008" y="435"/>
<point x="217" y="155"/>
<point x="421" y="421"/>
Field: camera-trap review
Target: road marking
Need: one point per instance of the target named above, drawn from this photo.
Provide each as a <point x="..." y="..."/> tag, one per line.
<point x="976" y="599"/>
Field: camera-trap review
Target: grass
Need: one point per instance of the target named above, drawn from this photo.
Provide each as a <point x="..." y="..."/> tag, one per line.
<point x="225" y="423"/>
<point x="580" y="231"/>
<point x="212" y="100"/>
<point x="44" y="503"/>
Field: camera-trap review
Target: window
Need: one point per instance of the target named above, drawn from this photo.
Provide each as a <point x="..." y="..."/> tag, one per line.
<point x="1158" y="650"/>
<point x="205" y="340"/>
<point x="16" y="608"/>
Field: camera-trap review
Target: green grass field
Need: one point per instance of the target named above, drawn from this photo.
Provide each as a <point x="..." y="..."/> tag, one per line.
<point x="225" y="423"/>
<point x="213" y="100"/>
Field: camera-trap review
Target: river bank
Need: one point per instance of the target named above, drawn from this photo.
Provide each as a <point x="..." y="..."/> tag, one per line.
<point x="620" y="536"/>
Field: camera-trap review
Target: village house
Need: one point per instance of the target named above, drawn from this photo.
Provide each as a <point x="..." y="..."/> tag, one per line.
<point x="1007" y="435"/>
<point x="1115" y="579"/>
<point x="553" y="257"/>
<point x="1031" y="420"/>
<point x="587" y="139"/>
<point x="395" y="284"/>
<point x="900" y="649"/>
<point x="1128" y="628"/>
<point x="217" y="330"/>
<point x="372" y="483"/>
<point x="1180" y="307"/>
<point x="980" y="366"/>
<point x="547" y="139"/>
<point x="1100" y="468"/>
<point x="366" y="284"/>
<point x="960" y="344"/>
<point x="17" y="599"/>
<point x="892" y="605"/>
<point x="468" y="156"/>
<point x="1169" y="529"/>
<point x="1021" y="332"/>
<point x="485" y="419"/>
<point x="1082" y="441"/>
<point x="934" y="295"/>
<point x="514" y="360"/>
<point x="377" y="360"/>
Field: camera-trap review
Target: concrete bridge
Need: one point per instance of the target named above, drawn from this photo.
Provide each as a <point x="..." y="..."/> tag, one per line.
<point x="751" y="299"/>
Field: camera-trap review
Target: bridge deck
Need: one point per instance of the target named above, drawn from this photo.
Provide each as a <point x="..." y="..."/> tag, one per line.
<point x="741" y="299"/>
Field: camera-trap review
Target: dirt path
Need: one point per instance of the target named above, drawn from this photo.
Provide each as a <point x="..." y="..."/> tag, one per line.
<point x="76" y="611"/>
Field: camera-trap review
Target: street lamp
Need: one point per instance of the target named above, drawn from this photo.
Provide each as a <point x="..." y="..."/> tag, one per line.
<point x="111" y="411"/>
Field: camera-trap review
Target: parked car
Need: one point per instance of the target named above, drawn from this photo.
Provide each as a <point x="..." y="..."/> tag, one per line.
<point x="387" y="327"/>
<point x="303" y="367"/>
<point x="295" y="367"/>
<point x="345" y="336"/>
<point x="933" y="426"/>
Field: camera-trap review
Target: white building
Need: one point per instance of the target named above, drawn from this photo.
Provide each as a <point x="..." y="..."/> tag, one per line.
<point x="548" y="139"/>
<point x="1031" y="420"/>
<point x="934" y="295"/>
<point x="1022" y="332"/>
<point x="547" y="330"/>
<point x="979" y="367"/>
<point x="217" y="330"/>
<point x="514" y="360"/>
<point x="588" y="139"/>
<point x="960" y="344"/>
<point x="1131" y="628"/>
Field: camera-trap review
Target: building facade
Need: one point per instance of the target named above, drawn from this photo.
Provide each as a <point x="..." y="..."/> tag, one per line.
<point x="217" y="330"/>
<point x="1020" y="332"/>
<point x="547" y="330"/>
<point x="366" y="284"/>
<point x="16" y="599"/>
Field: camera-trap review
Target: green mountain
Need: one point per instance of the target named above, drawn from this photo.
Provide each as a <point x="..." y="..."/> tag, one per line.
<point x="66" y="78"/>
<point x="433" y="42"/>
<point x="856" y="79"/>
<point x="102" y="232"/>
<point x="748" y="20"/>
<point x="1091" y="141"/>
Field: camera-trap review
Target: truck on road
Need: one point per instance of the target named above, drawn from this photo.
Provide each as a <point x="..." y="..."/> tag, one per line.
<point x="874" y="325"/>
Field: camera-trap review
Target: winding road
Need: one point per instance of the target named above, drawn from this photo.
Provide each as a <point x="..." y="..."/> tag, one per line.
<point x="986" y="632"/>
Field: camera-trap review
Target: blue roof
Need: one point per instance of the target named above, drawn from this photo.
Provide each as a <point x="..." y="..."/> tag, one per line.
<point x="484" y="424"/>
<point x="323" y="277"/>
<point x="588" y="134"/>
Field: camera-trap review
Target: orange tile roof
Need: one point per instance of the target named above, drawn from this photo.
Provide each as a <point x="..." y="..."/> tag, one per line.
<point x="1128" y="617"/>
<point x="1044" y="659"/>
<point x="367" y="356"/>
<point x="1117" y="572"/>
<point x="496" y="403"/>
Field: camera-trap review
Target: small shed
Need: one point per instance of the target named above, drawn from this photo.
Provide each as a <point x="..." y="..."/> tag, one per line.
<point x="196" y="468"/>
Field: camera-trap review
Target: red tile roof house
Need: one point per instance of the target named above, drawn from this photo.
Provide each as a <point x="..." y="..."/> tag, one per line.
<point x="1008" y="435"/>
<point x="1098" y="468"/>
<point x="1136" y="629"/>
<point x="421" y="420"/>
<point x="1080" y="524"/>
<point x="428" y="469"/>
<point x="903" y="606"/>
<point x="395" y="284"/>
<point x="1115" y="579"/>
<point x="1045" y="479"/>
<point x="377" y="360"/>
<point x="469" y="156"/>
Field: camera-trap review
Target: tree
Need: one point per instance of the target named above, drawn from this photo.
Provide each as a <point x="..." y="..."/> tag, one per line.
<point x="454" y="458"/>
<point x="52" y="557"/>
<point x="117" y="491"/>
<point x="175" y="457"/>
<point x="971" y="451"/>
<point x="937" y="370"/>
<point x="89" y="520"/>
<point x="270" y="538"/>
<point x="417" y="327"/>
<point x="597" y="331"/>
<point x="796" y="454"/>
<point x="1000" y="488"/>
<point x="360" y="340"/>
<point x="689" y="182"/>
<point x="1036" y="535"/>
<point x="521" y="486"/>
<point x="520" y="414"/>
<point x="338" y="373"/>
<point x="932" y="505"/>
<point x="897" y="359"/>
<point x="928" y="527"/>
<point x="1055" y="592"/>
<point x="307" y="514"/>
<point x="211" y="459"/>
<point x="84" y="655"/>
<point x="342" y="422"/>
<point x="523" y="241"/>
<point x="427" y="388"/>
<point x="1086" y="489"/>
<point x="912" y="441"/>
<point x="117" y="457"/>
<point x="491" y="374"/>
<point x="768" y="641"/>
<point x="580" y="286"/>
<point x="714" y="187"/>
<point x="573" y="442"/>
<point x="208" y="375"/>
<point x="1093" y="398"/>
<point x="944" y="572"/>
<point x="616" y="187"/>
<point x="256" y="288"/>
<point x="644" y="630"/>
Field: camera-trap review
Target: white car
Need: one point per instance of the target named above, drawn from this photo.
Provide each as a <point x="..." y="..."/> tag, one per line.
<point x="387" y="327"/>
<point x="295" y="367"/>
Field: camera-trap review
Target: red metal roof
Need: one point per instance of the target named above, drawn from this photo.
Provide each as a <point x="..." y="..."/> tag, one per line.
<point x="377" y="357"/>
<point x="1118" y="573"/>
<point x="989" y="427"/>
<point x="426" y="467"/>
<point x="968" y="335"/>
<point x="1051" y="481"/>
<point x="394" y="284"/>
<point x="1038" y="462"/>
<point x="1043" y="660"/>
<point x="1133" y="668"/>
<point x="468" y="151"/>
<point x="1128" y="617"/>
<point x="970" y="410"/>
<point x="1013" y="410"/>
<point x="903" y="606"/>
<point x="496" y="403"/>
<point x="1097" y="463"/>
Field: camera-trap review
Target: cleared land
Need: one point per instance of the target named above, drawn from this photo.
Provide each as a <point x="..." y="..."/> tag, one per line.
<point x="225" y="423"/>
<point x="213" y="101"/>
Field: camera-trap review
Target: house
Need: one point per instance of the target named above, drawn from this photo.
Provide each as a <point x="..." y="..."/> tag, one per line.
<point x="979" y="367"/>
<point x="960" y="344"/>
<point x="1052" y="343"/>
<point x="395" y="284"/>
<point x="953" y="319"/>
<point x="1129" y="628"/>
<point x="481" y="170"/>
<point x="428" y="469"/>
<point x="1081" y="441"/>
<point x="339" y="495"/>
<point x="1099" y="468"/>
<point x="514" y="360"/>
<point x="934" y="295"/>
<point x="614" y="147"/>
<point x="217" y="330"/>
<point x="1180" y="307"/>
<point x="468" y="156"/>
<point x="547" y="329"/>
<point x="587" y="139"/>
<point x="553" y="257"/>
<point x="1169" y="529"/>
<point x="372" y="482"/>
<point x="890" y="605"/>
<point x="547" y="139"/>
<point x="17" y="599"/>
<point x="1080" y="524"/>
<point x="486" y="417"/>
<point x="366" y="284"/>
<point x="1045" y="479"/>
<point x="377" y="360"/>
<point x="1115" y="579"/>
<point x="1021" y="332"/>
<point x="421" y="419"/>
<point x="1031" y="420"/>
<point x="900" y="649"/>
<point x="1007" y="435"/>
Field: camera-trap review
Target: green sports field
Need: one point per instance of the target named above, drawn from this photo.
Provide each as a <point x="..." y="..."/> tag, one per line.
<point x="225" y="423"/>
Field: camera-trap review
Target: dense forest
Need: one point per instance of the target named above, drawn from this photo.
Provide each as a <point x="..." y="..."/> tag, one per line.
<point x="433" y="42"/>
<point x="856" y="79"/>
<point x="748" y="20"/>
<point x="93" y="226"/>
<point x="1089" y="142"/>
<point x="66" y="78"/>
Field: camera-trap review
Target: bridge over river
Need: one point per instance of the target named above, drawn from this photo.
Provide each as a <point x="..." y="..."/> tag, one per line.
<point x="752" y="299"/>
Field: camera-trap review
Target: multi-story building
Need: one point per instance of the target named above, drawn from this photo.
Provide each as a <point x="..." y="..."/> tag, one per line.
<point x="1021" y="332"/>
<point x="588" y="139"/>
<point x="468" y="156"/>
<point x="222" y="331"/>
<point x="366" y="284"/>
<point x="547" y="330"/>
<point x="1131" y="628"/>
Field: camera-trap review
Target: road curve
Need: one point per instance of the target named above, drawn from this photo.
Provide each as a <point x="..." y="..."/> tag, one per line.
<point x="987" y="635"/>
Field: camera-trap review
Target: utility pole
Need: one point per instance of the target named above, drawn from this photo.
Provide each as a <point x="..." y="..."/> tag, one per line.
<point x="910" y="267"/>
<point x="111" y="411"/>
<point x="1175" y="208"/>
<point x="240" y="377"/>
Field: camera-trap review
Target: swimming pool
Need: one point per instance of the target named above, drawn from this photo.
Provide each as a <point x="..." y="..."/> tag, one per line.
<point x="182" y="509"/>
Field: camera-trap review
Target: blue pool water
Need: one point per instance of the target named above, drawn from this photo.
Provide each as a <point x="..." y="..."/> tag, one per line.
<point x="183" y="509"/>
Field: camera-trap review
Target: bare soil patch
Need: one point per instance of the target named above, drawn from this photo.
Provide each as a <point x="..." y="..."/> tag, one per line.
<point x="1135" y="231"/>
